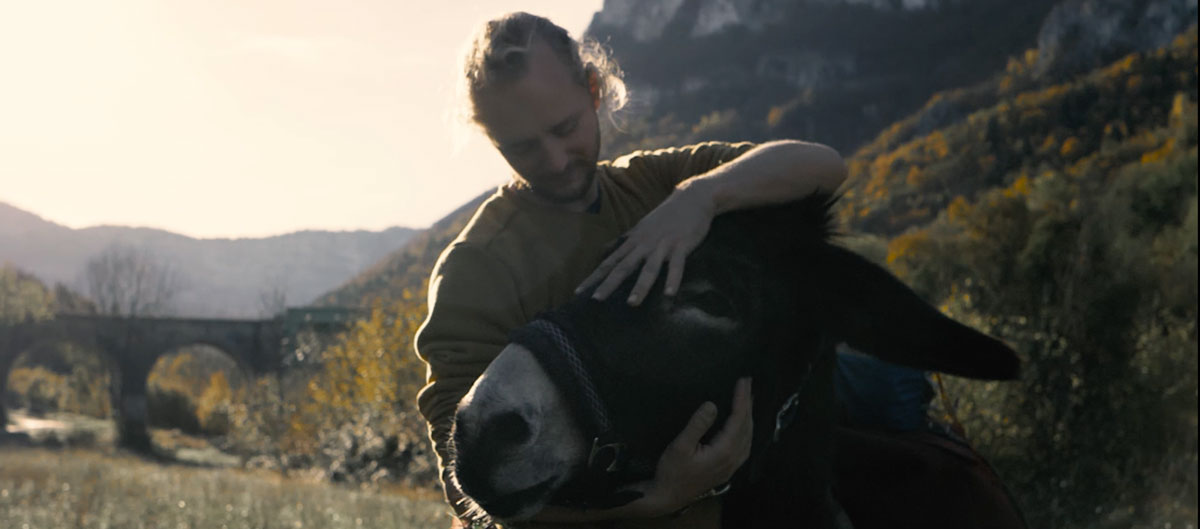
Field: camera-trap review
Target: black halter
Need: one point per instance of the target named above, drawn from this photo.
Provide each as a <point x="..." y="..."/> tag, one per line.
<point x="552" y="338"/>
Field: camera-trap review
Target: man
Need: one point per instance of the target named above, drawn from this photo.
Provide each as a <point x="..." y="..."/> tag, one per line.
<point x="542" y="237"/>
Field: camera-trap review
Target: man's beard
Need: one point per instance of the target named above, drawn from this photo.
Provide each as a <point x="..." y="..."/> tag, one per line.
<point x="588" y="167"/>
<point x="589" y="175"/>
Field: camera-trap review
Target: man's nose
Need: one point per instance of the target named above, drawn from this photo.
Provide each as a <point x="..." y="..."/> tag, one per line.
<point x="555" y="155"/>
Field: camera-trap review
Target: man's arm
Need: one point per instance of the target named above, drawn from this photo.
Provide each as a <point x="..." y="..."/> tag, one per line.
<point x="472" y="305"/>
<point x="771" y="173"/>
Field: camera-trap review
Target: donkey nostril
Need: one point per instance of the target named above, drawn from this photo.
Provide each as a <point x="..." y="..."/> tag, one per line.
<point x="509" y="429"/>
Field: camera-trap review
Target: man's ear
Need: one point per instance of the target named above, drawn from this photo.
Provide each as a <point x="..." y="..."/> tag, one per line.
<point x="593" y="81"/>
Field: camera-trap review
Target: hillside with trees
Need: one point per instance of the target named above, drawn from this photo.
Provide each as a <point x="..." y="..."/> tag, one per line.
<point x="405" y="269"/>
<point x="1061" y="217"/>
<point x="1017" y="126"/>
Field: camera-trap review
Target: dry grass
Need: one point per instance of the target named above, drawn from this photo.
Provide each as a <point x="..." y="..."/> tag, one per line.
<point x="44" y="489"/>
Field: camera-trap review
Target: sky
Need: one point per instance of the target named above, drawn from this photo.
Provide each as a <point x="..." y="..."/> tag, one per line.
<point x="235" y="118"/>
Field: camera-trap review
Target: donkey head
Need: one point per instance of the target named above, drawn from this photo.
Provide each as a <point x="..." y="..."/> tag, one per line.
<point x="766" y="290"/>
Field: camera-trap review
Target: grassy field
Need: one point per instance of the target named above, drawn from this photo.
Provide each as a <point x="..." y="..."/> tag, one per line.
<point x="61" y="489"/>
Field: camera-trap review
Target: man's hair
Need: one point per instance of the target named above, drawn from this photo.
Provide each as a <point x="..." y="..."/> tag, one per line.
<point x="499" y="53"/>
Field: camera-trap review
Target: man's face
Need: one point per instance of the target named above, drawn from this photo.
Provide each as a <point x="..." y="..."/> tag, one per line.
<point x="544" y="124"/>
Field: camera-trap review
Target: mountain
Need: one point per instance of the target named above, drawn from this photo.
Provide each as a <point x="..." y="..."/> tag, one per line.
<point x="1081" y="35"/>
<point x="1020" y="123"/>
<point x="648" y="21"/>
<point x="407" y="268"/>
<point x="839" y="72"/>
<point x="830" y="71"/>
<point x="221" y="277"/>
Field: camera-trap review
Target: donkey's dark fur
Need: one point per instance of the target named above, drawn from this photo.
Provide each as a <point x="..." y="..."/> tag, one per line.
<point x="783" y="296"/>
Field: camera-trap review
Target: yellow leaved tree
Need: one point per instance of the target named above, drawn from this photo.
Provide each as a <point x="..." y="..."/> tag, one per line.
<point x="364" y="395"/>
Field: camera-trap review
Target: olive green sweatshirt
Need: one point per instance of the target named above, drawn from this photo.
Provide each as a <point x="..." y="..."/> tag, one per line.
<point x="518" y="257"/>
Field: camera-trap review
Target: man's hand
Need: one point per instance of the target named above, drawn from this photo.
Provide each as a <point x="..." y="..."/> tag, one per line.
<point x="688" y="468"/>
<point x="667" y="234"/>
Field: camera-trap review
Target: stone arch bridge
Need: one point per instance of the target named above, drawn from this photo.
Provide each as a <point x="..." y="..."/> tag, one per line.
<point x="131" y="346"/>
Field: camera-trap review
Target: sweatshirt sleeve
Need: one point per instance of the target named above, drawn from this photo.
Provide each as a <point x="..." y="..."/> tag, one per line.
<point x="473" y="303"/>
<point x="666" y="168"/>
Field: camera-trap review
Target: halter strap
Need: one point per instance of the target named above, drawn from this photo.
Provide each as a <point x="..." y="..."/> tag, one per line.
<point x="549" y="338"/>
<point x="552" y="339"/>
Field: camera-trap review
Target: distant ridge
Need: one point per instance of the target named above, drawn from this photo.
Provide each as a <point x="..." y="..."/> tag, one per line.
<point x="14" y="220"/>
<point x="222" y="277"/>
<point x="407" y="268"/>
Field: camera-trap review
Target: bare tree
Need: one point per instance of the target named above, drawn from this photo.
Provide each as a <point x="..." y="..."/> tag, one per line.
<point x="128" y="281"/>
<point x="272" y="299"/>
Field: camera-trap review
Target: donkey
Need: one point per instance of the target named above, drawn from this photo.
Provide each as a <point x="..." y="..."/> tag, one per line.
<point x="584" y="400"/>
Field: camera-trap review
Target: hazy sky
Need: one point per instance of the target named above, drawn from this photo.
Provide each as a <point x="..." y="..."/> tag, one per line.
<point x="242" y="118"/>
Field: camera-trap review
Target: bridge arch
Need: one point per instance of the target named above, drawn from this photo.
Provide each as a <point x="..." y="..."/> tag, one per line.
<point x="135" y="344"/>
<point x="178" y="382"/>
<point x="62" y="375"/>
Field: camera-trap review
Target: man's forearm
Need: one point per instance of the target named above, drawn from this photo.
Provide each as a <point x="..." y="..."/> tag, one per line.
<point x="771" y="173"/>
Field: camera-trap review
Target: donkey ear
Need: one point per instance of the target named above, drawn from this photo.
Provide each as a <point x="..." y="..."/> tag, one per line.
<point x="875" y="313"/>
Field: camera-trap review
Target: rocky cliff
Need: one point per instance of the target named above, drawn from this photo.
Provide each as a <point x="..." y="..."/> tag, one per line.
<point x="646" y="21"/>
<point x="1079" y="35"/>
<point x="834" y="71"/>
<point x="838" y="71"/>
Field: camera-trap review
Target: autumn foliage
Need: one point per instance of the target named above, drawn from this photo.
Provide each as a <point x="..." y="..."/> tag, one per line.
<point x="1063" y="219"/>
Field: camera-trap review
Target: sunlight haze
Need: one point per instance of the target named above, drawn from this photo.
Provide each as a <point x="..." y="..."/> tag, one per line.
<point x="242" y="119"/>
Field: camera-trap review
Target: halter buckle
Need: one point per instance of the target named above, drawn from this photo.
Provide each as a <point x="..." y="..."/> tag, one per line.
<point x="787" y="414"/>
<point x="608" y="453"/>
